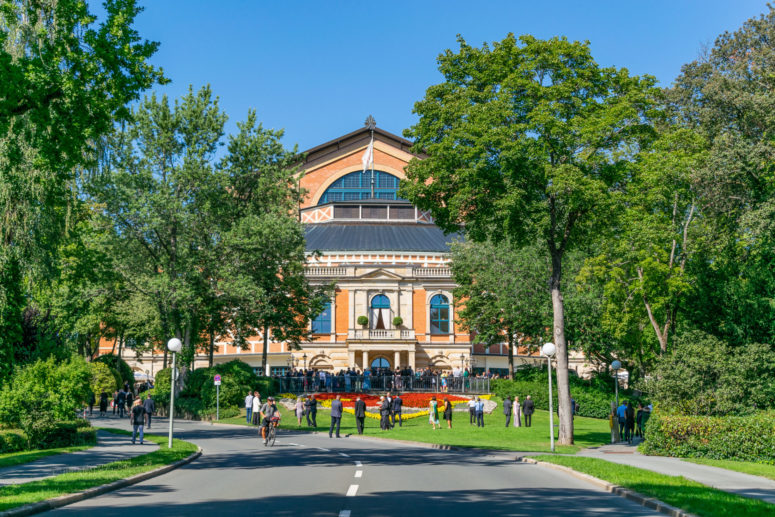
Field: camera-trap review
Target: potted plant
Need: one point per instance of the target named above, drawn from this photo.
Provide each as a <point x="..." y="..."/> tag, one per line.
<point x="363" y="320"/>
<point x="398" y="321"/>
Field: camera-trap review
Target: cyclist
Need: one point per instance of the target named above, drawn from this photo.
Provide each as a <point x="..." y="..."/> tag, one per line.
<point x="269" y="413"/>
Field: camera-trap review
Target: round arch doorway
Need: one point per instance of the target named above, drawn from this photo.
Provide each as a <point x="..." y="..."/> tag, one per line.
<point x="380" y="362"/>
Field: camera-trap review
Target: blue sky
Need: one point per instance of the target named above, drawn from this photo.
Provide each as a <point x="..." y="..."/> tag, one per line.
<point x="318" y="68"/>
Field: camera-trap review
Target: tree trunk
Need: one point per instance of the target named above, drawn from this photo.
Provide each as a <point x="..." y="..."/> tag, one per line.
<point x="266" y="350"/>
<point x="511" y="356"/>
<point x="212" y="347"/>
<point x="165" y="357"/>
<point x="563" y="387"/>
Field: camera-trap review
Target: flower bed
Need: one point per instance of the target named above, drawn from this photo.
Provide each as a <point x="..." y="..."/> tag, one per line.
<point x="411" y="400"/>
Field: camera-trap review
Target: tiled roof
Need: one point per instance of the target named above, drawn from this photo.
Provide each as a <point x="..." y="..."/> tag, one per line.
<point x="377" y="237"/>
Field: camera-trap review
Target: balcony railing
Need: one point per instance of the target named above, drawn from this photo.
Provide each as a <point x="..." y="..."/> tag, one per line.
<point x="326" y="271"/>
<point x="434" y="272"/>
<point x="381" y="334"/>
<point x="380" y="384"/>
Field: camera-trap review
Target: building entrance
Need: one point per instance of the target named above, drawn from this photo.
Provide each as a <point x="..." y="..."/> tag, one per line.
<point x="380" y="362"/>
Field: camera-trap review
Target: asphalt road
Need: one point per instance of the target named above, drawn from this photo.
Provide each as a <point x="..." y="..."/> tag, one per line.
<point x="313" y="475"/>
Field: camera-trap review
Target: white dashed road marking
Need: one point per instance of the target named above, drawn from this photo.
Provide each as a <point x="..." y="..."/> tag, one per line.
<point x="358" y="473"/>
<point x="344" y="513"/>
<point x="324" y="450"/>
<point x="358" y="464"/>
<point x="352" y="490"/>
<point x="344" y="455"/>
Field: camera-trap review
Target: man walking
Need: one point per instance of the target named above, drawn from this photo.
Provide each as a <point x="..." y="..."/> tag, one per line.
<point x="249" y="406"/>
<point x="621" y="413"/>
<point x="313" y="411"/>
<point x="121" y="400"/>
<point x="389" y="400"/>
<point x="360" y="413"/>
<point x="256" y="414"/>
<point x="528" y="408"/>
<point x="472" y="410"/>
<point x="150" y="408"/>
<point x="137" y="419"/>
<point x="397" y="405"/>
<point x="479" y="412"/>
<point x="507" y="409"/>
<point x="336" y="416"/>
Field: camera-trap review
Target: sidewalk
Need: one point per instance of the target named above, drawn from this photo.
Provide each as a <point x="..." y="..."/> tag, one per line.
<point x="110" y="447"/>
<point x="728" y="480"/>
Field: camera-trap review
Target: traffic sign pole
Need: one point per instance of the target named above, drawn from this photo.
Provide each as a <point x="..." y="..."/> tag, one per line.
<point x="217" y="381"/>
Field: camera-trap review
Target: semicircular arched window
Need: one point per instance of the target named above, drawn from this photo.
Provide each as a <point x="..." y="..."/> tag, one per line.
<point x="380" y="311"/>
<point x="357" y="185"/>
<point x="439" y="314"/>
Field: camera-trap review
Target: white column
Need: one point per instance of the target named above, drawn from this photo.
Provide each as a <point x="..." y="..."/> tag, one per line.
<point x="365" y="359"/>
<point x="397" y="362"/>
<point x="351" y="358"/>
<point x="411" y="359"/>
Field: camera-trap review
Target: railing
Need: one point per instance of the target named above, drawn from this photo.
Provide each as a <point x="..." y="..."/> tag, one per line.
<point x="381" y="334"/>
<point x="326" y="271"/>
<point x="374" y="383"/>
<point x="443" y="272"/>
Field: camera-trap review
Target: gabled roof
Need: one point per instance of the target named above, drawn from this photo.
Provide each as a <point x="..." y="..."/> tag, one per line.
<point x="351" y="141"/>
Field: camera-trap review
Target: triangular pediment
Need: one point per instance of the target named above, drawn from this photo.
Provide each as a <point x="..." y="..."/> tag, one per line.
<point x="380" y="274"/>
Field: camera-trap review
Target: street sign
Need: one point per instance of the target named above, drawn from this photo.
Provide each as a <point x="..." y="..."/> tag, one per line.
<point x="217" y="380"/>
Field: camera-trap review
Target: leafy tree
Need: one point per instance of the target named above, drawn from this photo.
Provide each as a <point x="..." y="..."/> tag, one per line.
<point x="117" y="363"/>
<point x="66" y="81"/>
<point x="102" y="379"/>
<point x="533" y="140"/>
<point x="502" y="293"/>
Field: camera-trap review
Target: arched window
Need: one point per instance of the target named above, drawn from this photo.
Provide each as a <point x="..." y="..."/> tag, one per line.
<point x="380" y="311"/>
<point x="357" y="185"/>
<point x="380" y="362"/>
<point x="322" y="323"/>
<point x="439" y="314"/>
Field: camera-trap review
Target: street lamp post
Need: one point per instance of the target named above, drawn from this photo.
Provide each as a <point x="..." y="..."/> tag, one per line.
<point x="548" y="350"/>
<point x="173" y="345"/>
<point x="304" y="356"/>
<point x="615" y="367"/>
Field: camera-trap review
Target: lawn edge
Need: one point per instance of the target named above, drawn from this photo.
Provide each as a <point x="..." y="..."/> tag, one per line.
<point x="636" y="497"/>
<point x="64" y="500"/>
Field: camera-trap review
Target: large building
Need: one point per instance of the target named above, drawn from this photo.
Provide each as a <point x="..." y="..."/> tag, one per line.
<point x="393" y="304"/>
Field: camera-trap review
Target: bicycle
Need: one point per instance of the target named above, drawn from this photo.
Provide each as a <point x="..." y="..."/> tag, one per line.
<point x="271" y="433"/>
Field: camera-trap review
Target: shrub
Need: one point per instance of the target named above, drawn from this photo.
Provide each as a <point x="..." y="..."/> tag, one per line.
<point x="45" y="389"/>
<point x="740" y="438"/>
<point x="120" y="365"/>
<point x="398" y="321"/>
<point x="593" y="396"/>
<point x="704" y="376"/>
<point x="363" y="320"/>
<point x="43" y="433"/>
<point x="12" y="440"/>
<point x="102" y="379"/>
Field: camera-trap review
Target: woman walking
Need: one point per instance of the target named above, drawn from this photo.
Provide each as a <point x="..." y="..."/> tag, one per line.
<point x="299" y="409"/>
<point x="448" y="412"/>
<point x="517" y="414"/>
<point x="433" y="413"/>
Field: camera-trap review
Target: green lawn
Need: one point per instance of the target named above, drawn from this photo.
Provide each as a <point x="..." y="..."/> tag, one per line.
<point x="746" y="467"/>
<point x="688" y="495"/>
<point x="34" y="491"/>
<point x="11" y="459"/>
<point x="588" y="431"/>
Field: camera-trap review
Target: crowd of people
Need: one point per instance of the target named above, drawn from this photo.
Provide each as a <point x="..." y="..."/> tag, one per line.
<point x="632" y="423"/>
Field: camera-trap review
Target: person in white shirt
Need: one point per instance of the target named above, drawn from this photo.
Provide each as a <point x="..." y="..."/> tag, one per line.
<point x="472" y="411"/>
<point x="256" y="407"/>
<point x="249" y="406"/>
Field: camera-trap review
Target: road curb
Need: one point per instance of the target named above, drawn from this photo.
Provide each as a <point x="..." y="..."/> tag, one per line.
<point x="648" y="502"/>
<point x="64" y="500"/>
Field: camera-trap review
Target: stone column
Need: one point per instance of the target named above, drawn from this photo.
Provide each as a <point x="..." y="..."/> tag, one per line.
<point x="411" y="360"/>
<point x="397" y="363"/>
<point x="365" y="359"/>
<point x="351" y="358"/>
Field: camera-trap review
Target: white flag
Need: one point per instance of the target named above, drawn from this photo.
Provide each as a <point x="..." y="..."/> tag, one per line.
<point x="368" y="156"/>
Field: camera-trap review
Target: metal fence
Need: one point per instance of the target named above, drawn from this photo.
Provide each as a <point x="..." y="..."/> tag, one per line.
<point x="368" y="384"/>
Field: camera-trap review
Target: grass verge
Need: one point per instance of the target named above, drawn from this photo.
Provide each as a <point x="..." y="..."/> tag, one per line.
<point x="11" y="459"/>
<point x="494" y="435"/>
<point x="683" y="493"/>
<point x="746" y="467"/>
<point x="17" y="495"/>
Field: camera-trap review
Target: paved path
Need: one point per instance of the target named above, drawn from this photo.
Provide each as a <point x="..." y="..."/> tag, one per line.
<point x="723" y="479"/>
<point x="110" y="447"/>
<point x="313" y="475"/>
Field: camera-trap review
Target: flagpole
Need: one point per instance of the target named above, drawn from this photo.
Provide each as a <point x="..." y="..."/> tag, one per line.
<point x="371" y="124"/>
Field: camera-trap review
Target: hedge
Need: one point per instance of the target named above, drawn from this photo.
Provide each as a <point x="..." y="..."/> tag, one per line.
<point x="740" y="438"/>
<point x="594" y="396"/>
<point x="113" y="361"/>
<point x="12" y="440"/>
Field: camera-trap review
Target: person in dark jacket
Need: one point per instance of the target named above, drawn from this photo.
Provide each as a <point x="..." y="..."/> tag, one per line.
<point x="448" y="412"/>
<point x="360" y="413"/>
<point x="92" y="400"/>
<point x="312" y="413"/>
<point x="528" y="408"/>
<point x="336" y="417"/>
<point x="120" y="401"/>
<point x="384" y="413"/>
<point x="507" y="409"/>
<point x="103" y="403"/>
<point x="137" y="420"/>
<point x="150" y="409"/>
<point x="629" y="424"/>
<point x="397" y="405"/>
